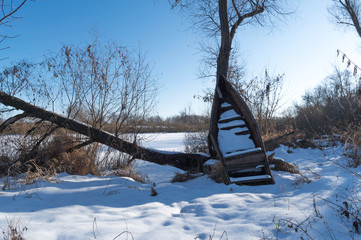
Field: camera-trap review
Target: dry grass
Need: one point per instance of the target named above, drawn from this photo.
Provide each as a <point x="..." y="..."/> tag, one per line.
<point x="281" y="165"/>
<point x="128" y="171"/>
<point x="30" y="164"/>
<point x="183" y="177"/>
<point x="78" y="163"/>
<point x="351" y="137"/>
<point x="53" y="156"/>
<point x="14" y="231"/>
<point x="218" y="174"/>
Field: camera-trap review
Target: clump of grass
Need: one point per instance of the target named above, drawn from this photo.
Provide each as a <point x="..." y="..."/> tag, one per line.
<point x="153" y="192"/>
<point x="14" y="231"/>
<point x="218" y="174"/>
<point x="128" y="171"/>
<point x="36" y="172"/>
<point x="282" y="165"/>
<point x="77" y="163"/>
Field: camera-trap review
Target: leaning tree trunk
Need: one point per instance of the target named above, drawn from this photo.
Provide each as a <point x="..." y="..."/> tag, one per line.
<point x="180" y="160"/>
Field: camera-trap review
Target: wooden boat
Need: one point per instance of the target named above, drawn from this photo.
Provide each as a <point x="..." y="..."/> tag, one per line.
<point x="234" y="137"/>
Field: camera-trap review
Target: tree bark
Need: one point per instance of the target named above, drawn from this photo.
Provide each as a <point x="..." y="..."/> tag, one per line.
<point x="353" y="15"/>
<point x="187" y="162"/>
<point x="226" y="41"/>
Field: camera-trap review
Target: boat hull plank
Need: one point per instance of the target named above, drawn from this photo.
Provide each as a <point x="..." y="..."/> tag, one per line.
<point x="235" y="138"/>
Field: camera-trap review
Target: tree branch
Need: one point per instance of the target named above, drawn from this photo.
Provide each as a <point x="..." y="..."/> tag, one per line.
<point x="12" y="120"/>
<point x="259" y="9"/>
<point x="353" y="15"/>
<point x="81" y="145"/>
<point x="12" y="12"/>
<point x="180" y="160"/>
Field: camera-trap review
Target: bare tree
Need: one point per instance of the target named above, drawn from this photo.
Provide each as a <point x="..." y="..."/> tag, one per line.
<point x="222" y="18"/>
<point x="103" y="87"/>
<point x="347" y="13"/>
<point x="264" y="95"/>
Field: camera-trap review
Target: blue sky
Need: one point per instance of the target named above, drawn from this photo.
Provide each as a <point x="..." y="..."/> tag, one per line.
<point x="303" y="48"/>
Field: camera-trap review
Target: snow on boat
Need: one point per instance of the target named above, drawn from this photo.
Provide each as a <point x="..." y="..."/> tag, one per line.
<point x="235" y="139"/>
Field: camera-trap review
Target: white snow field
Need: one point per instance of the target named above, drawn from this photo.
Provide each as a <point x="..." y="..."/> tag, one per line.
<point x="92" y="207"/>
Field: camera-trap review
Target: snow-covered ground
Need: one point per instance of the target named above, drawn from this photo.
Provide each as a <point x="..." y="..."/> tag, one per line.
<point x="91" y="207"/>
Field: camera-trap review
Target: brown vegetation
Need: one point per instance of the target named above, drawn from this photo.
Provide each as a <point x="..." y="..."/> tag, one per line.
<point x="184" y="177"/>
<point x="217" y="173"/>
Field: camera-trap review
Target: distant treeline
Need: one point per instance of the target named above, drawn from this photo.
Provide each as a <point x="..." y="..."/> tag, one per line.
<point x="179" y="123"/>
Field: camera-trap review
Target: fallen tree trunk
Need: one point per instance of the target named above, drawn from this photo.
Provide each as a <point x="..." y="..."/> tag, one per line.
<point x="188" y="162"/>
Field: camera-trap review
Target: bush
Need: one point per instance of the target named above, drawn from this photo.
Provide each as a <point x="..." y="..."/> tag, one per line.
<point x="196" y="142"/>
<point x="351" y="137"/>
<point x="56" y="154"/>
<point x="49" y="157"/>
<point x="331" y="106"/>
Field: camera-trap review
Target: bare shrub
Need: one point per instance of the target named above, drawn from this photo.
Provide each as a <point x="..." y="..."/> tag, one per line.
<point x="57" y="154"/>
<point x="102" y="85"/>
<point x="196" y="142"/>
<point x="351" y="137"/>
<point x="331" y="106"/>
<point x="349" y="211"/>
<point x="264" y="96"/>
<point x="48" y="158"/>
